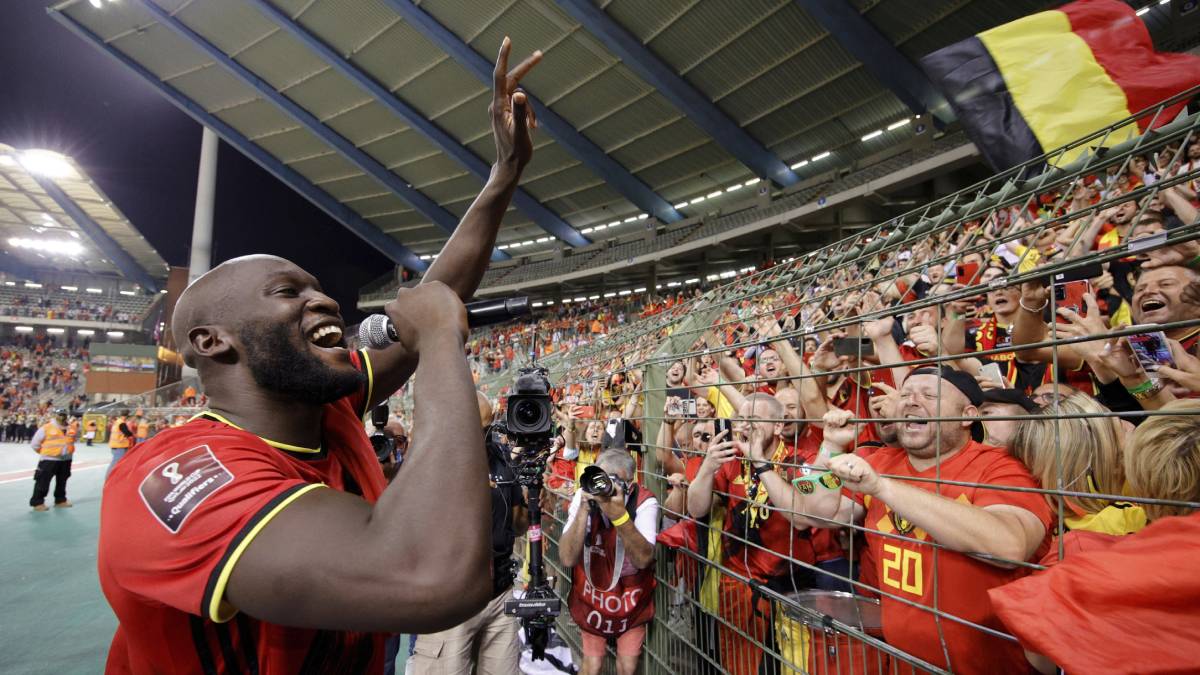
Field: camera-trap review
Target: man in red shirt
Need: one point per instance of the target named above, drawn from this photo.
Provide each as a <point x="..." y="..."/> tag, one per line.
<point x="261" y="536"/>
<point x="904" y="520"/>
<point x="761" y="540"/>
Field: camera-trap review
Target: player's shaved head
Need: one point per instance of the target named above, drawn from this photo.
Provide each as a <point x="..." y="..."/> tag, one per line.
<point x="219" y="297"/>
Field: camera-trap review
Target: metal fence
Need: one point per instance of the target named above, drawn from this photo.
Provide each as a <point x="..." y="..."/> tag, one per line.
<point x="716" y="608"/>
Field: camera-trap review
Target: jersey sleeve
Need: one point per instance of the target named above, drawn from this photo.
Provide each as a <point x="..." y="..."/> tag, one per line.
<point x="1008" y="471"/>
<point x="361" y="398"/>
<point x="173" y="529"/>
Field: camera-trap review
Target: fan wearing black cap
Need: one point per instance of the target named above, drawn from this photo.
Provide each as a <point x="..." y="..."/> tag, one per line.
<point x="999" y="403"/>
<point x="904" y="518"/>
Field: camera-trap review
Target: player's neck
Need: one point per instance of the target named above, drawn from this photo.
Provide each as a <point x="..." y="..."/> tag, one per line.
<point x="925" y="463"/>
<point x="270" y="417"/>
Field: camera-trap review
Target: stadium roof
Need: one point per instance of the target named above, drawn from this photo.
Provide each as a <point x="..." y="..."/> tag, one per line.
<point x="53" y="216"/>
<point x="376" y="110"/>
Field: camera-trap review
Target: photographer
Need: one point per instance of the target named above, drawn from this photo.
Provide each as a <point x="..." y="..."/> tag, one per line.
<point x="487" y="642"/>
<point x="610" y="549"/>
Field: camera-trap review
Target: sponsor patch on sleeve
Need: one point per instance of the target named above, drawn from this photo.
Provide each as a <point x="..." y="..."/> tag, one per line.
<point x="174" y="489"/>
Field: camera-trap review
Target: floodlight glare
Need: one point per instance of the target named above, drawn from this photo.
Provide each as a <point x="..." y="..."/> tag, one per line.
<point x="53" y="246"/>
<point x="46" y="163"/>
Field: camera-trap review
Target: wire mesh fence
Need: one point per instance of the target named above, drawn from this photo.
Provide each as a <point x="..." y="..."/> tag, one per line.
<point x="850" y="449"/>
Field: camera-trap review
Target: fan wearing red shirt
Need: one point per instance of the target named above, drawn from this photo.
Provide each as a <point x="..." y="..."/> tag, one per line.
<point x="761" y="538"/>
<point x="903" y="519"/>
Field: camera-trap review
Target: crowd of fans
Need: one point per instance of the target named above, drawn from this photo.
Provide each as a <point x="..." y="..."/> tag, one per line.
<point x="559" y="329"/>
<point x="52" y="306"/>
<point x="929" y="425"/>
<point x="36" y="376"/>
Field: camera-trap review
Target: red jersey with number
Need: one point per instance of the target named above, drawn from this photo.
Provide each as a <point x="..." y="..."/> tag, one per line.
<point x="177" y="513"/>
<point x="750" y="518"/>
<point x="905" y="567"/>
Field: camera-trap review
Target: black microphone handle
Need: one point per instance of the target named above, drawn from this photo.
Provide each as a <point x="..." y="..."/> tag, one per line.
<point x="487" y="312"/>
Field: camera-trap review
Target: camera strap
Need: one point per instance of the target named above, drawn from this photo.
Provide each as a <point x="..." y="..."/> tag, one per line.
<point x="619" y="560"/>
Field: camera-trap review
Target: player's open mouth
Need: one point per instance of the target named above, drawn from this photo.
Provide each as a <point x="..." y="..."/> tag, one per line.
<point x="326" y="336"/>
<point x="915" y="423"/>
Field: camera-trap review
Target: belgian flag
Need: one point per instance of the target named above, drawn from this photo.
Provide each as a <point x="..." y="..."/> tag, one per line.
<point x="1033" y="85"/>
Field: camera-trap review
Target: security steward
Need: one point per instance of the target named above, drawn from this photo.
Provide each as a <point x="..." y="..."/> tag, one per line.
<point x="119" y="440"/>
<point x="54" y="443"/>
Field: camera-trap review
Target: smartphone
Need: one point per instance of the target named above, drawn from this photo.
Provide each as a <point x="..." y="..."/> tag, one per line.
<point x="583" y="412"/>
<point x="1070" y="296"/>
<point x="1151" y="350"/>
<point x="992" y="372"/>
<point x="966" y="274"/>
<point x="853" y="346"/>
<point x="723" y="424"/>
<point x="1090" y="271"/>
<point x="682" y="407"/>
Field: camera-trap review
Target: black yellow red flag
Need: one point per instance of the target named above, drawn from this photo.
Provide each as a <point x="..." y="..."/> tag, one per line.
<point x="1033" y="85"/>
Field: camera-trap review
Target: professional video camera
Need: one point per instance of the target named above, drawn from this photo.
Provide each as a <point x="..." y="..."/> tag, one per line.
<point x="529" y="424"/>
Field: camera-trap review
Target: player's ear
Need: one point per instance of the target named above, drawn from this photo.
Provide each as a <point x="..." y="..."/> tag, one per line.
<point x="211" y="342"/>
<point x="970" y="411"/>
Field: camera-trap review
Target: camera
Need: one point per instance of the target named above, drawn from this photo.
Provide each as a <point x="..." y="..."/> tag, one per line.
<point x="381" y="441"/>
<point x="597" y="483"/>
<point x="530" y="420"/>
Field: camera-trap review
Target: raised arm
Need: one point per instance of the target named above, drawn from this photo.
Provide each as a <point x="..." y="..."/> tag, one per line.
<point x="463" y="260"/>
<point x="330" y="560"/>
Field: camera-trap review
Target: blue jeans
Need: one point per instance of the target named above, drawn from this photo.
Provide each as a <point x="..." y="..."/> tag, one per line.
<point x="118" y="453"/>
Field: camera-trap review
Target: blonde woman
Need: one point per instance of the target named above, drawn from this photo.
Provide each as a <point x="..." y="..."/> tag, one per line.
<point x="1163" y="461"/>
<point x="1088" y="460"/>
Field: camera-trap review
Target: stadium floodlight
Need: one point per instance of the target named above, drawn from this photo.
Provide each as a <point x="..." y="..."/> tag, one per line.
<point x="713" y="194"/>
<point x="24" y="329"/>
<point x="672" y="284"/>
<point x="10" y="283"/>
<point x="56" y="331"/>
<point x="502" y="247"/>
<point x="116" y="334"/>
<point x="527" y="242"/>
<point x="610" y="294"/>
<point x="7" y="160"/>
<point x="566" y="301"/>
<point x="896" y="125"/>
<point x="630" y="219"/>
<point x="601" y="227"/>
<point x="799" y="164"/>
<point x="93" y="290"/>
<point x="69" y="288"/>
<point x="85" y="331"/>
<point x="823" y="155"/>
<point x="46" y="163"/>
<point x="692" y="281"/>
<point x="586" y="230"/>
<point x="614" y="223"/>
<point x="593" y="297"/>
<point x="874" y="134"/>
<point x="658" y="287"/>
<point x="580" y="299"/>
<point x="640" y="290"/>
<point x="32" y="284"/>
<point x="542" y="240"/>
<point x="549" y="302"/>
<point x="1142" y="11"/>
<point x="680" y="205"/>
<point x="128" y="293"/>
<point x="697" y="200"/>
<point x="752" y="181"/>
<point x="643" y="216"/>
<point x="735" y="187"/>
<point x="537" y="304"/>
<point x="624" y="292"/>
<point x="52" y="246"/>
<point x="97" y="4"/>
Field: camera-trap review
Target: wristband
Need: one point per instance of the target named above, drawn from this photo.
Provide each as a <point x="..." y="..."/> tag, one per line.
<point x="829" y="449"/>
<point x="624" y="518"/>
<point x="1039" y="310"/>
<point x="1146" y="390"/>
<point x="760" y="469"/>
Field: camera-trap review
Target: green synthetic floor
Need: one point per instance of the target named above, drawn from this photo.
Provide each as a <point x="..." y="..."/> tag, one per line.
<point x="53" y="618"/>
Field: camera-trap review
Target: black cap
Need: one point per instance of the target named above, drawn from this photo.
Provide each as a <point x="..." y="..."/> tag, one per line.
<point x="60" y="412"/>
<point x="961" y="381"/>
<point x="965" y="384"/>
<point x="1012" y="397"/>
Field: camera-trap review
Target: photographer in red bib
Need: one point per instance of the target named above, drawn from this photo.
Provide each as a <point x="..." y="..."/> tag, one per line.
<point x="609" y="544"/>
<point x="261" y="536"/>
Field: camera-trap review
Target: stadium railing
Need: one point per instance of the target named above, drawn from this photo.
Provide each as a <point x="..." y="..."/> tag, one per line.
<point x="819" y="283"/>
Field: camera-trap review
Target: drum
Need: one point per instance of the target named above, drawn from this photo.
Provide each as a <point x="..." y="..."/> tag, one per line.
<point x="833" y="651"/>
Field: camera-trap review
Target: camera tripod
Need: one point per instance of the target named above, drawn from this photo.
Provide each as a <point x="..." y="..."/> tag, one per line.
<point x="538" y="609"/>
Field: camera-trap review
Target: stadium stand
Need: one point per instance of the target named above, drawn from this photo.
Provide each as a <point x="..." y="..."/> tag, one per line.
<point x="1042" y="387"/>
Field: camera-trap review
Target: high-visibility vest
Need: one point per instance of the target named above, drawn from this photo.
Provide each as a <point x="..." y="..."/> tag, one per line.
<point x="116" y="439"/>
<point x="143" y="430"/>
<point x="57" y="443"/>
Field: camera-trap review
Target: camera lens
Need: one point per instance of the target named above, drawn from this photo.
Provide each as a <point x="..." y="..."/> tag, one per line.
<point x="528" y="414"/>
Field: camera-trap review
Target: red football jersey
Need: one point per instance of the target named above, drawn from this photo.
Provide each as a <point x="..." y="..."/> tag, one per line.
<point x="753" y="519"/>
<point x="179" y="510"/>
<point x="905" y="567"/>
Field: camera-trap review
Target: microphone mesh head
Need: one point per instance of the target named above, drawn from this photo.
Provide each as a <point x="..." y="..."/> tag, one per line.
<point x="373" y="332"/>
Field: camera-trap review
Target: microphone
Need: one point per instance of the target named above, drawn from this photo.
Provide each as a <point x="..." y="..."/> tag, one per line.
<point x="377" y="332"/>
